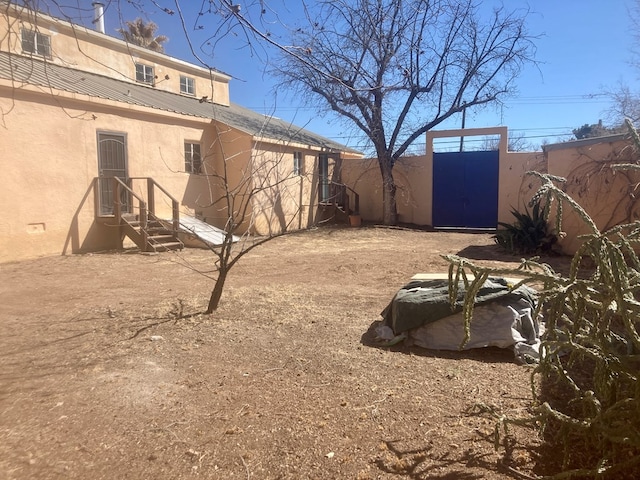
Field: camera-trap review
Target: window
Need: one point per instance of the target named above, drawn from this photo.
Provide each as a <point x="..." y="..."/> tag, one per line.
<point x="187" y="85"/>
<point x="192" y="158"/>
<point x="36" y="42"/>
<point x="144" y="73"/>
<point x="298" y="163"/>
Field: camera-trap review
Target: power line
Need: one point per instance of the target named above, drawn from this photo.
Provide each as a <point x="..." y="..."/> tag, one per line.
<point x="528" y="100"/>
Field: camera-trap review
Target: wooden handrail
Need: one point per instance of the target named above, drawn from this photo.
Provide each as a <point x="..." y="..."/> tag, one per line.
<point x="118" y="185"/>
<point x="175" y="206"/>
<point x="145" y="207"/>
<point x="342" y="195"/>
<point x="117" y="210"/>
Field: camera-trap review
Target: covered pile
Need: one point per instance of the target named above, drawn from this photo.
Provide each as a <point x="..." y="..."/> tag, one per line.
<point x="421" y="314"/>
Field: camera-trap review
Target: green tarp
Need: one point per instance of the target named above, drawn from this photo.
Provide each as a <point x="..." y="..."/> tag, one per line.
<point x="424" y="301"/>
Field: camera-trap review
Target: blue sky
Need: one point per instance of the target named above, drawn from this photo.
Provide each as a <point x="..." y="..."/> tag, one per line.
<point x="584" y="48"/>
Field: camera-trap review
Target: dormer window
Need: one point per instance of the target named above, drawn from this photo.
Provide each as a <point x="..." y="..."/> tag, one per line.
<point x="187" y="85"/>
<point x="36" y="43"/>
<point x="144" y="74"/>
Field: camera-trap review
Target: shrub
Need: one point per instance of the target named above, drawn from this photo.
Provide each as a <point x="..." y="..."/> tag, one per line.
<point x="530" y="233"/>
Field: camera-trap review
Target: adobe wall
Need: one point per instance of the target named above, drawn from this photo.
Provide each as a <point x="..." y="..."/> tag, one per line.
<point x="283" y="201"/>
<point x="608" y="197"/>
<point x="48" y="169"/>
<point x="413" y="176"/>
<point x="84" y="49"/>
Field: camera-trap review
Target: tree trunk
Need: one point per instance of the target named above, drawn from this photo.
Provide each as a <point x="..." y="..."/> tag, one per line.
<point x="389" y="207"/>
<point x="216" y="293"/>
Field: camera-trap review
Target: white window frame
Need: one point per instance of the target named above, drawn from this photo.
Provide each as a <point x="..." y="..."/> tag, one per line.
<point x="145" y="74"/>
<point x="36" y="43"/>
<point x="187" y="85"/>
<point x="192" y="157"/>
<point x="298" y="163"/>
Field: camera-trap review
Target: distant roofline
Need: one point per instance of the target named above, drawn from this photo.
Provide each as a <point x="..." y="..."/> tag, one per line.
<point x="98" y="86"/>
<point x="585" y="142"/>
<point x="19" y="9"/>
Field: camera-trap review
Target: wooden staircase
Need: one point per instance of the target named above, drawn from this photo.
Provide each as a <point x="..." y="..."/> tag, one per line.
<point x="135" y="214"/>
<point x="341" y="204"/>
<point x="154" y="237"/>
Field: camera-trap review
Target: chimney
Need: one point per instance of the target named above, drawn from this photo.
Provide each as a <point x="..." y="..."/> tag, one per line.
<point x="98" y="16"/>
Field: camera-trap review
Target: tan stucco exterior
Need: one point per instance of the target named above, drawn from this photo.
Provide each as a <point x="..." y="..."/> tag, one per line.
<point x="77" y="47"/>
<point x="50" y="151"/>
<point x="414" y="179"/>
<point x="608" y="197"/>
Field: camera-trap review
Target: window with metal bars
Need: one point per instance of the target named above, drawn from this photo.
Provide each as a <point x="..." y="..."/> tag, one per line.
<point x="192" y="158"/>
<point x="36" y="43"/>
<point x="144" y="73"/>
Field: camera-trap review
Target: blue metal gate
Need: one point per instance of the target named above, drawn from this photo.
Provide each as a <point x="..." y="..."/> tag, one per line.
<point x="465" y="189"/>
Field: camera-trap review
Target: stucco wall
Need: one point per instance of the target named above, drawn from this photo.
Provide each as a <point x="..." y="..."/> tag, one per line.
<point x="49" y="162"/>
<point x="608" y="197"/>
<point x="414" y="181"/>
<point x="77" y="47"/>
<point x="514" y="188"/>
<point x="283" y="201"/>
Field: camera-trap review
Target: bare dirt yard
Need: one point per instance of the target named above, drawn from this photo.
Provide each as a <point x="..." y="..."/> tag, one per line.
<point x="109" y="370"/>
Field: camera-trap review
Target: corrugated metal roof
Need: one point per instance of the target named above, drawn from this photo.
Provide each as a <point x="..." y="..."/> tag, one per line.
<point x="25" y="70"/>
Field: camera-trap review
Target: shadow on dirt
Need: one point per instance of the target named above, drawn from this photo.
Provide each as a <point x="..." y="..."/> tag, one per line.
<point x="419" y="463"/>
<point x="559" y="263"/>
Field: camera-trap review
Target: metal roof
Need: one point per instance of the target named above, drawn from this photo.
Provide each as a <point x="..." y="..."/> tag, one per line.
<point x="32" y="71"/>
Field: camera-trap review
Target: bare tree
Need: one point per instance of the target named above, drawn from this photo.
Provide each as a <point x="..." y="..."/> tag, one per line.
<point x="396" y="69"/>
<point x="625" y="103"/>
<point x="254" y="193"/>
<point x="517" y="142"/>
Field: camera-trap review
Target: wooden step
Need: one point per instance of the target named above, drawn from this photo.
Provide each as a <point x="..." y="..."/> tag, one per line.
<point x="161" y="238"/>
<point x="158" y="237"/>
<point x="163" y="247"/>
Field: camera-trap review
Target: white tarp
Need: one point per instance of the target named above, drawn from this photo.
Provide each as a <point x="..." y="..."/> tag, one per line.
<point x="505" y="321"/>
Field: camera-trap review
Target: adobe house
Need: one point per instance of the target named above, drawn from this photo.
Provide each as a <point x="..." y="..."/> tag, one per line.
<point x="101" y="139"/>
<point x="475" y="190"/>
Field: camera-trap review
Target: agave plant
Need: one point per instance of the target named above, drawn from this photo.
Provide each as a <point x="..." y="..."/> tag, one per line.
<point x="530" y="233"/>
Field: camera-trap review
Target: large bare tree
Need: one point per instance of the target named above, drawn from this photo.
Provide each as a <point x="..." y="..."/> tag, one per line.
<point x="398" y="68"/>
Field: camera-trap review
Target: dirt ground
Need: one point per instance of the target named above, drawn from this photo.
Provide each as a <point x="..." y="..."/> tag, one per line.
<point x="110" y="371"/>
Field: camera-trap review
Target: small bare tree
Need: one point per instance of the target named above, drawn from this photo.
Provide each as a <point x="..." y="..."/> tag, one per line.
<point x="257" y="200"/>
